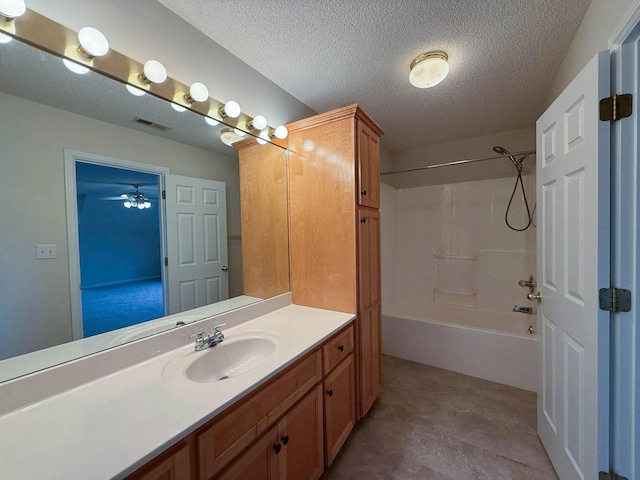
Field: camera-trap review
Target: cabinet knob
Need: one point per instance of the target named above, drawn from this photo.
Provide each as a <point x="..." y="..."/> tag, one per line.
<point x="363" y="220"/>
<point x="364" y="192"/>
<point x="341" y="348"/>
<point x="330" y="393"/>
<point x="285" y="439"/>
<point x="277" y="447"/>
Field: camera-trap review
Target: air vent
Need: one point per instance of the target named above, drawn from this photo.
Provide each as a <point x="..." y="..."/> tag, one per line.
<point x="148" y="123"/>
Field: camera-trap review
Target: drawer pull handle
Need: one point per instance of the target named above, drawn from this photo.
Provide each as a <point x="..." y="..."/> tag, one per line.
<point x="277" y="447"/>
<point x="363" y="220"/>
<point x="364" y="192"/>
<point x="285" y="439"/>
<point x="341" y="348"/>
<point x="330" y="393"/>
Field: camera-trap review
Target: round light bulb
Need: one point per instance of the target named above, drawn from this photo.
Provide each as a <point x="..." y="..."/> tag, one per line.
<point x="239" y="132"/>
<point x="12" y="8"/>
<point x="147" y="204"/>
<point x="429" y="69"/>
<point x="261" y="141"/>
<point x="178" y="108"/>
<point x="5" y="38"/>
<point x="92" y="42"/>
<point x="154" y="72"/>
<point x="75" y="67"/>
<point x="211" y="121"/>
<point x="198" y="92"/>
<point x="127" y="204"/>
<point x="138" y="92"/>
<point x="259" y="122"/>
<point x="232" y="109"/>
<point x="281" y="132"/>
<point x="140" y="206"/>
<point x="228" y="137"/>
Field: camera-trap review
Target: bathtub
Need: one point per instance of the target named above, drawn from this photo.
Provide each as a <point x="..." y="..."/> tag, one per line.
<point x="495" y="346"/>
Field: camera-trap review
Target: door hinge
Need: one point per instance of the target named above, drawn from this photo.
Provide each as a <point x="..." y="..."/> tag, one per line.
<point x="615" y="299"/>
<point x="164" y="194"/>
<point x="616" y="107"/>
<point x="610" y="476"/>
<point x="166" y="261"/>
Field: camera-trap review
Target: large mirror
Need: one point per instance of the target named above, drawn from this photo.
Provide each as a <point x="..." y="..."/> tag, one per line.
<point x="91" y="256"/>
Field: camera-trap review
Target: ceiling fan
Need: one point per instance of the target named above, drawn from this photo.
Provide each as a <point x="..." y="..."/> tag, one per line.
<point x="136" y="199"/>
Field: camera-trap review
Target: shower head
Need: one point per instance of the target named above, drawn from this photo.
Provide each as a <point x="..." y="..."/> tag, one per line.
<point x="504" y="151"/>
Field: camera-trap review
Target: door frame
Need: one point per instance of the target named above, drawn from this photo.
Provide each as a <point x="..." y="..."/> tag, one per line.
<point x="70" y="159"/>
<point x="625" y="261"/>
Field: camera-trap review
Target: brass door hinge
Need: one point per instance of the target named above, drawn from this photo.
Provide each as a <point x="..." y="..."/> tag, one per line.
<point x="616" y="107"/>
<point x="164" y="194"/>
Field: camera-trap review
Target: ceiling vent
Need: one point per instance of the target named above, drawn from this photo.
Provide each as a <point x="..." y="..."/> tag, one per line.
<point x="148" y="123"/>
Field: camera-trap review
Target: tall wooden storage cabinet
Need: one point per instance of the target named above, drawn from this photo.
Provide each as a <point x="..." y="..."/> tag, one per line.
<point x="334" y="228"/>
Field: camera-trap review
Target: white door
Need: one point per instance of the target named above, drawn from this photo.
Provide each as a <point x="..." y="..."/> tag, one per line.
<point x="573" y="263"/>
<point x="196" y="242"/>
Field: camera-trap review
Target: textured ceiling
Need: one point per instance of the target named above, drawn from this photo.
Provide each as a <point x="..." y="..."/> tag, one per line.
<point x="329" y="53"/>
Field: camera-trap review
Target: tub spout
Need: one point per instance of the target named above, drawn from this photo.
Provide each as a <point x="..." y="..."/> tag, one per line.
<point x="527" y="310"/>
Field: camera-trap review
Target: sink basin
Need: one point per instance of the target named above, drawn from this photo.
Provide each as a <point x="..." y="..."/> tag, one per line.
<point x="233" y="357"/>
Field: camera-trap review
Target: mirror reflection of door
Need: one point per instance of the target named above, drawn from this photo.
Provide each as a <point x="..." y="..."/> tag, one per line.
<point x="120" y="246"/>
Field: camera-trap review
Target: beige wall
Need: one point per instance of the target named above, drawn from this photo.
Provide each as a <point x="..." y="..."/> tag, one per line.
<point x="602" y="18"/>
<point x="34" y="295"/>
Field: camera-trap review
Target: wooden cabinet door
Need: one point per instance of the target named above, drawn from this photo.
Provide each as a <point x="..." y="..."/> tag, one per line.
<point x="173" y="465"/>
<point x="369" y="308"/>
<point x="301" y="433"/>
<point x="259" y="462"/>
<point x="339" y="407"/>
<point x="368" y="167"/>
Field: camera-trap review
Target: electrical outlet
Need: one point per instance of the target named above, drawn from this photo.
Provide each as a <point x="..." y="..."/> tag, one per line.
<point x="45" y="251"/>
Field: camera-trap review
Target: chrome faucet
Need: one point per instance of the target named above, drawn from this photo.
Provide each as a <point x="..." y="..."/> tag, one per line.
<point x="211" y="340"/>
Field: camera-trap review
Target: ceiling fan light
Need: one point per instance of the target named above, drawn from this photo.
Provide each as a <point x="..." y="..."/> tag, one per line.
<point x="429" y="69"/>
<point x="127" y="204"/>
<point x="11" y="9"/>
<point x="147" y="204"/>
<point x="92" y="42"/>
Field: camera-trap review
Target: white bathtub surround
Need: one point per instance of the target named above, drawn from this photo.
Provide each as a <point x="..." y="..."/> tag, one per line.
<point x="111" y="426"/>
<point x="451" y="268"/>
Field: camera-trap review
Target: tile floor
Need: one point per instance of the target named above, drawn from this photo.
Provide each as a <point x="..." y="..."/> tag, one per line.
<point x="435" y="424"/>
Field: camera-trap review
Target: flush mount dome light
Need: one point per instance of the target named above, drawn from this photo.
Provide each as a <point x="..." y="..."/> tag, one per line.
<point x="429" y="69"/>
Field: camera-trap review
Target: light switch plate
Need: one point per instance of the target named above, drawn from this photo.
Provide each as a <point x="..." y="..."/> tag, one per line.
<point x="45" y="251"/>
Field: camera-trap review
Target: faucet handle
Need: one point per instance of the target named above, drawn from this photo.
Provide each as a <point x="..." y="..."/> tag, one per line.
<point x="200" y="335"/>
<point x="217" y="327"/>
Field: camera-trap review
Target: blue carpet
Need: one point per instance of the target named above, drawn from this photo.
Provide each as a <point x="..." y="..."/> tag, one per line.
<point x="109" y="308"/>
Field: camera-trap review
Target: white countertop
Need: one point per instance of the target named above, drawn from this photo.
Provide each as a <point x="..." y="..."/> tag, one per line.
<point x="111" y="426"/>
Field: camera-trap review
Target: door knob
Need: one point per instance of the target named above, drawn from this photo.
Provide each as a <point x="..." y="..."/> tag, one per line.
<point x="224" y="268"/>
<point x="534" y="297"/>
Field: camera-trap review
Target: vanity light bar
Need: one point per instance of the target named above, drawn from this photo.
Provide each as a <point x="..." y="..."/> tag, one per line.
<point x="92" y="51"/>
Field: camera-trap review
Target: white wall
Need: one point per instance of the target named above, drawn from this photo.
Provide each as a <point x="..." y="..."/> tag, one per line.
<point x="477" y="147"/>
<point x="462" y="219"/>
<point x="34" y="295"/>
<point x="600" y="21"/>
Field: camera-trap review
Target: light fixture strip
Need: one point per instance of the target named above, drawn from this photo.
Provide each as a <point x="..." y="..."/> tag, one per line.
<point x="52" y="37"/>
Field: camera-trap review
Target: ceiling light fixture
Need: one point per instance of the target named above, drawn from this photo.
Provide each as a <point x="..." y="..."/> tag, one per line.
<point x="259" y="122"/>
<point x="11" y="9"/>
<point x="280" y="132"/>
<point x="429" y="69"/>
<point x="136" y="199"/>
<point x="231" y="109"/>
<point x="92" y="43"/>
<point x="153" y="72"/>
<point x="198" y="92"/>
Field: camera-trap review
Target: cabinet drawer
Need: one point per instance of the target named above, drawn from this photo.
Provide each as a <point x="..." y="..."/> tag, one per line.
<point x="236" y="429"/>
<point x="337" y="349"/>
